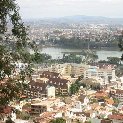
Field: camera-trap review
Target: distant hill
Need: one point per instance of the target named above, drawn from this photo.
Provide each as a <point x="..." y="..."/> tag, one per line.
<point x="81" y="19"/>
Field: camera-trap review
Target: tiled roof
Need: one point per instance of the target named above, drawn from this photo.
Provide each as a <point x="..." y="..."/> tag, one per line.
<point x="58" y="82"/>
<point x="37" y="86"/>
<point x="119" y="91"/>
<point x="5" y="109"/>
<point x="109" y="101"/>
<point x="49" y="74"/>
<point x="116" y="116"/>
<point x="100" y="94"/>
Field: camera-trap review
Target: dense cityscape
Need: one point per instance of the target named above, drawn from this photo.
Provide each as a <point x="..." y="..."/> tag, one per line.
<point x="98" y="36"/>
<point x="77" y="87"/>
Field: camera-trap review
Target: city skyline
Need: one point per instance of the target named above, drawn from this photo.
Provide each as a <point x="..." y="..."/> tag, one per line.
<point x="30" y="9"/>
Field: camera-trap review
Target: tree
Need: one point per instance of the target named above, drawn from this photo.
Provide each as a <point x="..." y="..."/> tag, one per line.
<point x="39" y="58"/>
<point x="12" y="79"/>
<point x="9" y="120"/>
<point x="120" y="43"/>
<point x="58" y="120"/>
<point x="71" y="58"/>
<point x="74" y="88"/>
<point x="89" y="56"/>
<point x="114" y="60"/>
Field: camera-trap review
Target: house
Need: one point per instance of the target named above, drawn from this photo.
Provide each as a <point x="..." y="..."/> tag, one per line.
<point x="39" y="106"/>
<point x="36" y="90"/>
<point x="39" y="90"/>
<point x="116" y="118"/>
<point x="117" y="93"/>
<point x="48" y="86"/>
<point x="83" y="99"/>
<point x="5" y="111"/>
<point x="61" y="85"/>
<point x="106" y="73"/>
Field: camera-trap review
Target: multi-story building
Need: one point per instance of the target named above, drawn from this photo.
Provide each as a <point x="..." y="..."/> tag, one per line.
<point x="36" y="90"/>
<point x="69" y="68"/>
<point x="40" y="106"/>
<point x="49" y="85"/>
<point x="107" y="74"/>
<point x="48" y="74"/>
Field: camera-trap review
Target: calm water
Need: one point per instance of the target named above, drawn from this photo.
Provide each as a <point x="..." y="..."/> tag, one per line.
<point x="58" y="52"/>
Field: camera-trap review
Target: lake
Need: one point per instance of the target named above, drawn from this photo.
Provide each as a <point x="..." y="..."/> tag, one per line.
<point x="56" y="52"/>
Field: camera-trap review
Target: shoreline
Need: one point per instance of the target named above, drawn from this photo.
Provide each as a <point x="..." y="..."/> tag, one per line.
<point x="102" y="49"/>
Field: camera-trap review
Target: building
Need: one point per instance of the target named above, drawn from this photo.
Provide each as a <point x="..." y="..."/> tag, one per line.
<point x="107" y="74"/>
<point x="36" y="90"/>
<point x="54" y="79"/>
<point x="68" y="69"/>
<point x="39" y="106"/>
<point x="103" y="72"/>
<point x="48" y="85"/>
<point x="48" y="74"/>
<point x="117" y="94"/>
<point x="116" y="118"/>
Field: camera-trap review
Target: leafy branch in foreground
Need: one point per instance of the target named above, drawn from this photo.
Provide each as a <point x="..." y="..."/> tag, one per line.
<point x="15" y="59"/>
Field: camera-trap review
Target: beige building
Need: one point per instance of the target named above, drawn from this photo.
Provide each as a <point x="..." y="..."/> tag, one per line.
<point x="69" y="68"/>
<point x="106" y="74"/>
<point x="40" y="106"/>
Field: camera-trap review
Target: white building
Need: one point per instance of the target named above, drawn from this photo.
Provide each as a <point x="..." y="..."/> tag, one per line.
<point x="107" y="75"/>
<point x="50" y="91"/>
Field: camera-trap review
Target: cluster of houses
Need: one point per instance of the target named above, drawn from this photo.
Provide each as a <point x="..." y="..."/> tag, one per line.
<point x="49" y="97"/>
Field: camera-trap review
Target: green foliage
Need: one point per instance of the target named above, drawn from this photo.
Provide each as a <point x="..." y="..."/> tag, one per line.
<point x="89" y="56"/>
<point x="87" y="121"/>
<point x="9" y="120"/>
<point x="120" y="43"/>
<point x="114" y="60"/>
<point x="58" y="120"/>
<point x="88" y="83"/>
<point x="12" y="80"/>
<point x="39" y="58"/>
<point x="71" y="58"/>
<point x="74" y="88"/>
<point x="76" y="42"/>
<point x="23" y="115"/>
<point x="119" y="71"/>
<point x="116" y="101"/>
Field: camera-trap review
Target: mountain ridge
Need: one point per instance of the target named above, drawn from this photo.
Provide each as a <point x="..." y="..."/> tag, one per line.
<point x="81" y="19"/>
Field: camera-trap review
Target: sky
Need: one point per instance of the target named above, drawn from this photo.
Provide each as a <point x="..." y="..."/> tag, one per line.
<point x="35" y="9"/>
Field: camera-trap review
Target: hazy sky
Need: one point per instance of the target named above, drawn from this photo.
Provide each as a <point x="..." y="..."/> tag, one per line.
<point x="58" y="8"/>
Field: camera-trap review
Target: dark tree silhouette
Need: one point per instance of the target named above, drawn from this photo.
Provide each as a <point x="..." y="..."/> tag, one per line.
<point x="120" y="43"/>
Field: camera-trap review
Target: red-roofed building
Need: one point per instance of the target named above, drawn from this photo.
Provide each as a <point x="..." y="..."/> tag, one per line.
<point x="116" y="118"/>
<point x="118" y="94"/>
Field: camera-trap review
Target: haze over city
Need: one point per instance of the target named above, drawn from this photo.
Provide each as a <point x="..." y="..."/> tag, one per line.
<point x="32" y="9"/>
